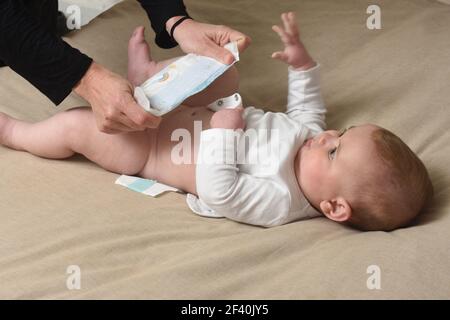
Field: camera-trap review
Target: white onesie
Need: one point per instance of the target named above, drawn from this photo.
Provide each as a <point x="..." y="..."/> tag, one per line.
<point x="257" y="184"/>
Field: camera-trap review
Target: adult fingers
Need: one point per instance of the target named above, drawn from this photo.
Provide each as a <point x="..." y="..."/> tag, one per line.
<point x="113" y="127"/>
<point x="243" y="41"/>
<point x="115" y="115"/>
<point x="126" y="121"/>
<point x="140" y="119"/>
<point x="211" y="49"/>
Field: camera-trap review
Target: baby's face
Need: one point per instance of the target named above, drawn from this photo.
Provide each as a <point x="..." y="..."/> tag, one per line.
<point x="327" y="163"/>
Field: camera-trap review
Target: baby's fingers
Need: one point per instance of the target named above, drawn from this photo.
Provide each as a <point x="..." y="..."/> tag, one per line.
<point x="284" y="37"/>
<point x="280" y="56"/>
<point x="290" y="24"/>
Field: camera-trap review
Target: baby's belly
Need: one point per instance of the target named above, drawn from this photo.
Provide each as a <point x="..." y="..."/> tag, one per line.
<point x="173" y="162"/>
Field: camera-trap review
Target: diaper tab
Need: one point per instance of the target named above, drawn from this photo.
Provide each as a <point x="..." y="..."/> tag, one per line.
<point x="144" y="186"/>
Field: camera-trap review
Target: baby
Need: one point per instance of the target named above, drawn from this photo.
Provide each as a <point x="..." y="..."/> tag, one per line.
<point x="363" y="176"/>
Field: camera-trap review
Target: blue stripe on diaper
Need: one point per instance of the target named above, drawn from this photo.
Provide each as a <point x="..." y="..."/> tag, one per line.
<point x="141" y="185"/>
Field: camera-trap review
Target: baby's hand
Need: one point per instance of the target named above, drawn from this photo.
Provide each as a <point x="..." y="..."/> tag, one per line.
<point x="228" y="119"/>
<point x="294" y="53"/>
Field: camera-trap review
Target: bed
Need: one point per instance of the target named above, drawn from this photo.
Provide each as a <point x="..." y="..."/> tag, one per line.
<point x="58" y="214"/>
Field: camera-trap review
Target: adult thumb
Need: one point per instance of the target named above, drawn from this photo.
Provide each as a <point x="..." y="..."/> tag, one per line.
<point x="219" y="53"/>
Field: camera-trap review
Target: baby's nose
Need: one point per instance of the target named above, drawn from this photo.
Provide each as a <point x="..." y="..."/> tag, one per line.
<point x="325" y="138"/>
<point x="322" y="140"/>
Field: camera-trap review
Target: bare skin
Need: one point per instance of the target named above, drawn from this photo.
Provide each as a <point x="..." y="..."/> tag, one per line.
<point x="144" y="153"/>
<point x="325" y="166"/>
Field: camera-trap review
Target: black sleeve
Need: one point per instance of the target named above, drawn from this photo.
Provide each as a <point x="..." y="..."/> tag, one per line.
<point x="46" y="61"/>
<point x="159" y="11"/>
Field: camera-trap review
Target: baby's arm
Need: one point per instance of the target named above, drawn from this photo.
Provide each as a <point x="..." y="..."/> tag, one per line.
<point x="305" y="103"/>
<point x="232" y="194"/>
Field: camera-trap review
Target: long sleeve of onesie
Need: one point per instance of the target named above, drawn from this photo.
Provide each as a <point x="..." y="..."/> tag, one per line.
<point x="46" y="61"/>
<point x="159" y="11"/>
<point x="266" y="199"/>
<point x="232" y="194"/>
<point x="305" y="103"/>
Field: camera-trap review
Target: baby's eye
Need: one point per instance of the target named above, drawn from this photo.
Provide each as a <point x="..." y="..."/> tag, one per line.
<point x="331" y="153"/>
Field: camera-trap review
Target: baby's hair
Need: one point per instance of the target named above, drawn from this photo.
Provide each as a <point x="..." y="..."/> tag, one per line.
<point x="406" y="190"/>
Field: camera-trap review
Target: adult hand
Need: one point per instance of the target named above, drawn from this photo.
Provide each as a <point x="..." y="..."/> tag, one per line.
<point x="207" y="39"/>
<point x="111" y="98"/>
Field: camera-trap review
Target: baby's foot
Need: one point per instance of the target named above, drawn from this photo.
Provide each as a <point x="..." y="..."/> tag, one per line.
<point x="140" y="63"/>
<point x="6" y="126"/>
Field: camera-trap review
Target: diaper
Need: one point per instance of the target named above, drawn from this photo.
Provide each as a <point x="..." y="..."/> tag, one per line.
<point x="183" y="78"/>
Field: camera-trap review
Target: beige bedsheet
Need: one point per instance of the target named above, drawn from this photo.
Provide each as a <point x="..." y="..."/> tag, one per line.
<point x="60" y="213"/>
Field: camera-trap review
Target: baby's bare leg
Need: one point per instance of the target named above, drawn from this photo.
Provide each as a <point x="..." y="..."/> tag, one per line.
<point x="75" y="131"/>
<point x="48" y="139"/>
<point x="141" y="66"/>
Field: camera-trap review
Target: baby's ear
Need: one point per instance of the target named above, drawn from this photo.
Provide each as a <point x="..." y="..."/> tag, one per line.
<point x="336" y="209"/>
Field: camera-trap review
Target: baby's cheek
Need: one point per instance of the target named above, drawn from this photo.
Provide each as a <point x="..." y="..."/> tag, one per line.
<point x="312" y="173"/>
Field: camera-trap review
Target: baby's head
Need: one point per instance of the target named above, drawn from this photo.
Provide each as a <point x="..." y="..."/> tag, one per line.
<point x="364" y="176"/>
